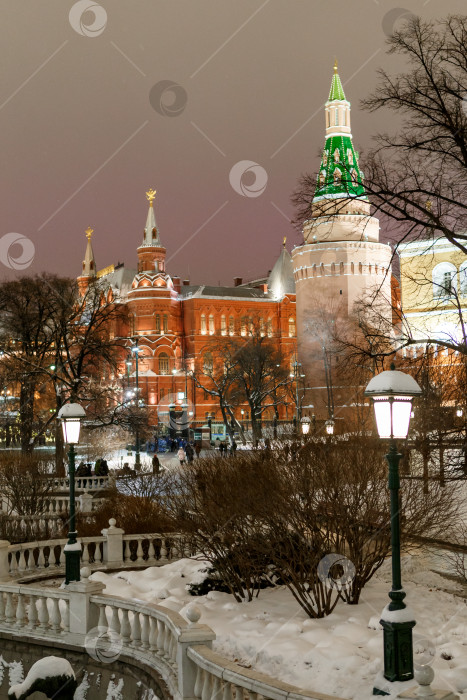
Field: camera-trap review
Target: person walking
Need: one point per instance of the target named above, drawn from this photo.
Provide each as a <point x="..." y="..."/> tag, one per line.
<point x="198" y="449"/>
<point x="233" y="448"/>
<point x="156" y="465"/>
<point x="190" y="453"/>
<point x="181" y="456"/>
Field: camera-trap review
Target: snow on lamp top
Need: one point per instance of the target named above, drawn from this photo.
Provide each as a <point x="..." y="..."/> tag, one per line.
<point x="71" y="414"/>
<point x="392" y="392"/>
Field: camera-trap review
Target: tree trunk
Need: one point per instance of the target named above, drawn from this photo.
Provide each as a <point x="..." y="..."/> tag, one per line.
<point x="26" y="412"/>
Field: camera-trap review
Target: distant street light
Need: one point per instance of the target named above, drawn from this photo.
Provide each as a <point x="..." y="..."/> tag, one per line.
<point x="70" y="415"/>
<point x="329" y="426"/>
<point x="306" y="425"/>
<point x="392" y="393"/>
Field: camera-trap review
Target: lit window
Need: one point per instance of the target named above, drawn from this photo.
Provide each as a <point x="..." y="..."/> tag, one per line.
<point x="291" y="327"/>
<point x="203" y="324"/>
<point x="269" y="327"/>
<point x="207" y="362"/>
<point x="444" y="280"/>
<point x="231" y="325"/>
<point x="261" y="327"/>
<point x="211" y="325"/>
<point x="163" y="363"/>
<point x="243" y="327"/>
<point x="158" y="323"/>
<point x="223" y="325"/>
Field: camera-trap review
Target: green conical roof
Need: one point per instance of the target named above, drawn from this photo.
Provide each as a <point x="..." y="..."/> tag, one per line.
<point x="339" y="173"/>
<point x="337" y="91"/>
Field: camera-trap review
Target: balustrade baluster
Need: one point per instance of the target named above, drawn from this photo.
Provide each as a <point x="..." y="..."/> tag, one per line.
<point x="85" y="554"/>
<point x="173" y="551"/>
<point x="2" y="607"/>
<point x="139" y="552"/>
<point x="31" y="563"/>
<point x="151" y="552"/>
<point x="125" y="628"/>
<point x="22" y="561"/>
<point x="145" y="632"/>
<point x="115" y="623"/>
<point x="13" y="564"/>
<point x="136" y="630"/>
<point x="216" y="688"/>
<point x="43" y="613"/>
<point x="66" y="616"/>
<point x="199" y="682"/>
<point x="173" y="651"/>
<point x="56" y="617"/>
<point x="238" y="692"/>
<point x="206" y="689"/>
<point x="227" y="692"/>
<point x="153" y="634"/>
<point x="20" y="611"/>
<point x="163" y="558"/>
<point x="61" y="558"/>
<point x="97" y="553"/>
<point x="41" y="558"/>
<point x="9" y="609"/>
<point x="32" y="612"/>
<point x="102" y="624"/>
<point x="161" y="637"/>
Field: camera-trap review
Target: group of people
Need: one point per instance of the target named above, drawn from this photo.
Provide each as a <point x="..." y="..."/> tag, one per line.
<point x="101" y="468"/>
<point x="186" y="453"/>
<point x="224" y="448"/>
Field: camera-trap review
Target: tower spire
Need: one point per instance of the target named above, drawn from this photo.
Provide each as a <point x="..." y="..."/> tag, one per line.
<point x="339" y="174"/>
<point x="89" y="263"/>
<point x="151" y="232"/>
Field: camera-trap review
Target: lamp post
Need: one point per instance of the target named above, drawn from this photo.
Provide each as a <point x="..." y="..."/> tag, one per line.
<point x="135" y="349"/>
<point x="329" y="426"/>
<point x="306" y="425"/>
<point x="392" y="393"/>
<point x="71" y="415"/>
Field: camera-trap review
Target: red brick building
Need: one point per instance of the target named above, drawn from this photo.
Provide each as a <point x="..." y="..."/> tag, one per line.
<point x="173" y="322"/>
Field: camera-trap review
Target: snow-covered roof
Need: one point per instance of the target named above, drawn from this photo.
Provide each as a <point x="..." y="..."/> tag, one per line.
<point x="393" y="383"/>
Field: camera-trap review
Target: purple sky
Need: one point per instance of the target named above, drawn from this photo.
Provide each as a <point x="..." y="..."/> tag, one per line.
<point x="81" y="141"/>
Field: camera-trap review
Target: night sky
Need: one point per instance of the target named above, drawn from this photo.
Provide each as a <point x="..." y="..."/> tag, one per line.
<point x="97" y="107"/>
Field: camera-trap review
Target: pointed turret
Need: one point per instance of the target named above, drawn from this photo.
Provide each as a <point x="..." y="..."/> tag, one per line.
<point x="339" y="174"/>
<point x="89" y="264"/>
<point x="151" y="232"/>
<point x="281" y="279"/>
<point x="151" y="252"/>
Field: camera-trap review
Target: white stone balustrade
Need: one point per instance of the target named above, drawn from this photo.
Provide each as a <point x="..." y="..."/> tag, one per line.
<point x="83" y="483"/>
<point x="111" y="550"/>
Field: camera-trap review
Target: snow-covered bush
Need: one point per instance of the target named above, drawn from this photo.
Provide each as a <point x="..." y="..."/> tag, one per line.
<point x="51" y="675"/>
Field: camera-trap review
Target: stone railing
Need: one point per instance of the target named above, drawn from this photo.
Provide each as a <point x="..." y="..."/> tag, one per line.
<point x="82" y="483"/>
<point x="111" y="550"/>
<point x="179" y="650"/>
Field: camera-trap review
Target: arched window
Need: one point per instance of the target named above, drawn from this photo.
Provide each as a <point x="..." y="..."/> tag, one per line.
<point x="463" y="279"/>
<point x="243" y="327"/>
<point x="207" y="362"/>
<point x="321" y="269"/>
<point x="333" y="269"/>
<point x="314" y="270"/>
<point x="350" y="156"/>
<point x="322" y="177"/>
<point x="163" y="363"/>
<point x="291" y="327"/>
<point x="337" y="176"/>
<point x="444" y="280"/>
<point x="341" y="268"/>
<point x="158" y="323"/>
<point x="269" y="327"/>
<point x="211" y="324"/>
<point x="353" y="175"/>
<point x="337" y="156"/>
<point x="203" y="324"/>
<point x="261" y="327"/>
<point x="231" y="325"/>
<point x="360" y="268"/>
<point x="352" y="268"/>
<point x="165" y="323"/>
<point x="325" y="157"/>
<point x="223" y="325"/>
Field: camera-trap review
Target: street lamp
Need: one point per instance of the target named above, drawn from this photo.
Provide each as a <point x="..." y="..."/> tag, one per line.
<point x="329" y="426"/>
<point x="392" y="393"/>
<point x="70" y="416"/>
<point x="306" y="425"/>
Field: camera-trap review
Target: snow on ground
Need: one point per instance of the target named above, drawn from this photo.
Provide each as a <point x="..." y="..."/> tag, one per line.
<point x="341" y="654"/>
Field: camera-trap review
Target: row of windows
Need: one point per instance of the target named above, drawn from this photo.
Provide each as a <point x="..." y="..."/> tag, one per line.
<point x="339" y="269"/>
<point x="229" y="327"/>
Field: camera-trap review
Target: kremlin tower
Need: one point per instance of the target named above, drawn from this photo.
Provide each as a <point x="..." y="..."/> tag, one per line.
<point x="340" y="261"/>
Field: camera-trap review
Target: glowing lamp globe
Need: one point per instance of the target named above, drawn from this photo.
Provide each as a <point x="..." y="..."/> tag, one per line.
<point x="71" y="415"/>
<point x="306" y="423"/>
<point x="392" y="392"/>
<point x="329" y="426"/>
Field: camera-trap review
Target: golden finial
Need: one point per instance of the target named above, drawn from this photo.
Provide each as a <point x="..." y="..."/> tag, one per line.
<point x="89" y="231"/>
<point x="429" y="205"/>
<point x="335" y="65"/>
<point x="284" y="241"/>
<point x="150" y="195"/>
